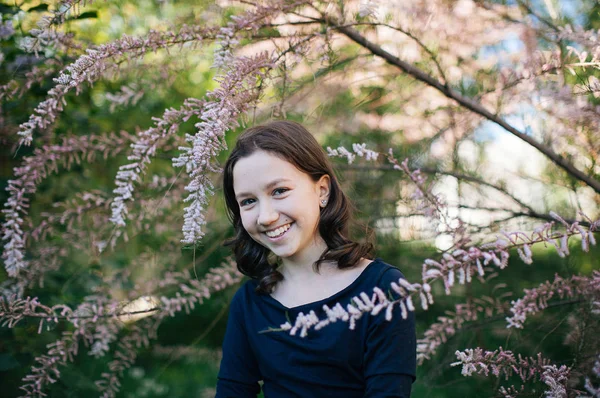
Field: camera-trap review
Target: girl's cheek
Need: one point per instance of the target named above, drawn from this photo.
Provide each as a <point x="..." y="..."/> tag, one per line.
<point x="249" y="218"/>
<point x="245" y="221"/>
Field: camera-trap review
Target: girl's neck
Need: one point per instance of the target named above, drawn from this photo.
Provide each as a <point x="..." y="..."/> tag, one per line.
<point x="300" y="269"/>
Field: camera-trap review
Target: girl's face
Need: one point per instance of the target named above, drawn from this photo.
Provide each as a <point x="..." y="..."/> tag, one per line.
<point x="280" y="205"/>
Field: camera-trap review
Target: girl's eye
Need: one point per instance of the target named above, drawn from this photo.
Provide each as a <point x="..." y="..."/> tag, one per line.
<point x="246" y="202"/>
<point x="280" y="190"/>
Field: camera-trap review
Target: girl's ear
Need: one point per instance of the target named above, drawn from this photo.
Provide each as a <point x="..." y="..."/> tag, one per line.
<point x="324" y="187"/>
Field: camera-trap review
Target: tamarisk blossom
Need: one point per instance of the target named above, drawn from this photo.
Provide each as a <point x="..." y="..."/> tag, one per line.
<point x="43" y="162"/>
<point x="98" y="321"/>
<point x="94" y="64"/>
<point x="18" y="86"/>
<point x="6" y="28"/>
<point x="429" y="204"/>
<point x="463" y="262"/>
<point x="367" y="8"/>
<point x="75" y="208"/>
<point x="142" y="150"/>
<point x="589" y="39"/>
<point x="194" y="292"/>
<point x="354" y="310"/>
<point x="360" y="305"/>
<point x="504" y="363"/>
<point x="13" y="309"/>
<point x="97" y="60"/>
<point x="359" y="150"/>
<point x="536" y="300"/>
<point x="44" y="34"/>
<point x="450" y="323"/>
<point x="237" y="93"/>
<point x="43" y="37"/>
<point x="252" y="20"/>
<point x="64" y="350"/>
<point x="538" y="64"/>
<point x="168" y="125"/>
<point x="595" y="391"/>
<point x="125" y="355"/>
<point x="127" y="94"/>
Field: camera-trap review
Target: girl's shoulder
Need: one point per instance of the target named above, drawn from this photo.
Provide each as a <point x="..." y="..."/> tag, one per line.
<point x="243" y="297"/>
<point x="389" y="274"/>
<point x="384" y="272"/>
<point x="377" y="274"/>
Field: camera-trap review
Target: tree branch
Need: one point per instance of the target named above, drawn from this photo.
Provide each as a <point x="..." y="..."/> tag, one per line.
<point x="466" y="103"/>
<point x="458" y="176"/>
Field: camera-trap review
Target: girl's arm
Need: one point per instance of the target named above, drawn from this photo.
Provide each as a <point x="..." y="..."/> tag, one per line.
<point x="239" y="374"/>
<point x="390" y="355"/>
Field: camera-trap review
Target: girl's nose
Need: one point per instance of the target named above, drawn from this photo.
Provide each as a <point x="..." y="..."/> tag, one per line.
<point x="267" y="215"/>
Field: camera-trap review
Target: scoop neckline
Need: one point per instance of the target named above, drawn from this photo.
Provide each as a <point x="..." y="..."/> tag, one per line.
<point x="333" y="296"/>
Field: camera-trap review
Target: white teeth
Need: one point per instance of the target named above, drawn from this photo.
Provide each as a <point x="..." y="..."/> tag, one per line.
<point x="278" y="231"/>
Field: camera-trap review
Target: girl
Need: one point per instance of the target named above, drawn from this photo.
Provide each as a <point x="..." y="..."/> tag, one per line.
<point x="291" y="238"/>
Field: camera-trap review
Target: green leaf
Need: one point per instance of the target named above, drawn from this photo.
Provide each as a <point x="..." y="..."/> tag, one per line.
<point x="39" y="8"/>
<point x="87" y="14"/>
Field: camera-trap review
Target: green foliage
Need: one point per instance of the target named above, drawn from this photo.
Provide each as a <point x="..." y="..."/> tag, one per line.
<point x="187" y="359"/>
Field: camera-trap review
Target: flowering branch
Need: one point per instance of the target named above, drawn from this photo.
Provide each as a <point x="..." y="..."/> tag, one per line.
<point x="125" y="356"/>
<point x="35" y="168"/>
<point x="504" y="363"/>
<point x="449" y="324"/>
<point x="66" y="348"/>
<point x="98" y="321"/>
<point x="13" y="310"/>
<point x="466" y="262"/>
<point x="91" y="66"/>
<point x="238" y="92"/>
<point x="44" y="34"/>
<point x="536" y="300"/>
<point x="429" y="204"/>
<point x="595" y="391"/>
<point x="142" y="150"/>
<point x="465" y="102"/>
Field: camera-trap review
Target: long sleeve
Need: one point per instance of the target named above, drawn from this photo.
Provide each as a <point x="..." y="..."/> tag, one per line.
<point x="238" y="375"/>
<point x="390" y="350"/>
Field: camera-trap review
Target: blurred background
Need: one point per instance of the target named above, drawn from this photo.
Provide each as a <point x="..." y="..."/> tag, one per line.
<point x="488" y="51"/>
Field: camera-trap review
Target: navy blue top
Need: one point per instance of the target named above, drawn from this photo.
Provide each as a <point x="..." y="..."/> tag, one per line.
<point x="377" y="359"/>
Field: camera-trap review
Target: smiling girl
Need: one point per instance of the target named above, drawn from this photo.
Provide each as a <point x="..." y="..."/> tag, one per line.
<point x="291" y="222"/>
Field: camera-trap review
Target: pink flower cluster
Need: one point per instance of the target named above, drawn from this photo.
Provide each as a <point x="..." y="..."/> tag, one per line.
<point x="237" y="93"/>
<point x="35" y="168"/>
<point x="97" y="323"/>
<point x="142" y="150"/>
<point x="536" y="300"/>
<point x="448" y="325"/>
<point x="358" y="306"/>
<point x="46" y="34"/>
<point x="595" y="391"/>
<point x="504" y="363"/>
<point x="95" y="63"/>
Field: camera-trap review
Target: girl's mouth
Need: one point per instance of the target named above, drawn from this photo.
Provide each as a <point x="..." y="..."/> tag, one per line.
<point x="279" y="233"/>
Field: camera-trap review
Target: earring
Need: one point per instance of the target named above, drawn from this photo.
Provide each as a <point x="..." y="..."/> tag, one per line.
<point x="323" y="202"/>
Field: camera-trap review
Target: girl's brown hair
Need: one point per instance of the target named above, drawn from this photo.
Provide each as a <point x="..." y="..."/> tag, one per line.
<point x="291" y="142"/>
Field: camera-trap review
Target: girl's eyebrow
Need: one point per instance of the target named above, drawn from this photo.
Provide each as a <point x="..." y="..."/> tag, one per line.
<point x="268" y="186"/>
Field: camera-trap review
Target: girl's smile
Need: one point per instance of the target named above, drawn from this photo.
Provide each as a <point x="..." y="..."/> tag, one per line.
<point x="277" y="234"/>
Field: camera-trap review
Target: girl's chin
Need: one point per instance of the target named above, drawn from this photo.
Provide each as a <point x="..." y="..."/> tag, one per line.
<point x="287" y="251"/>
<point x="282" y="253"/>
